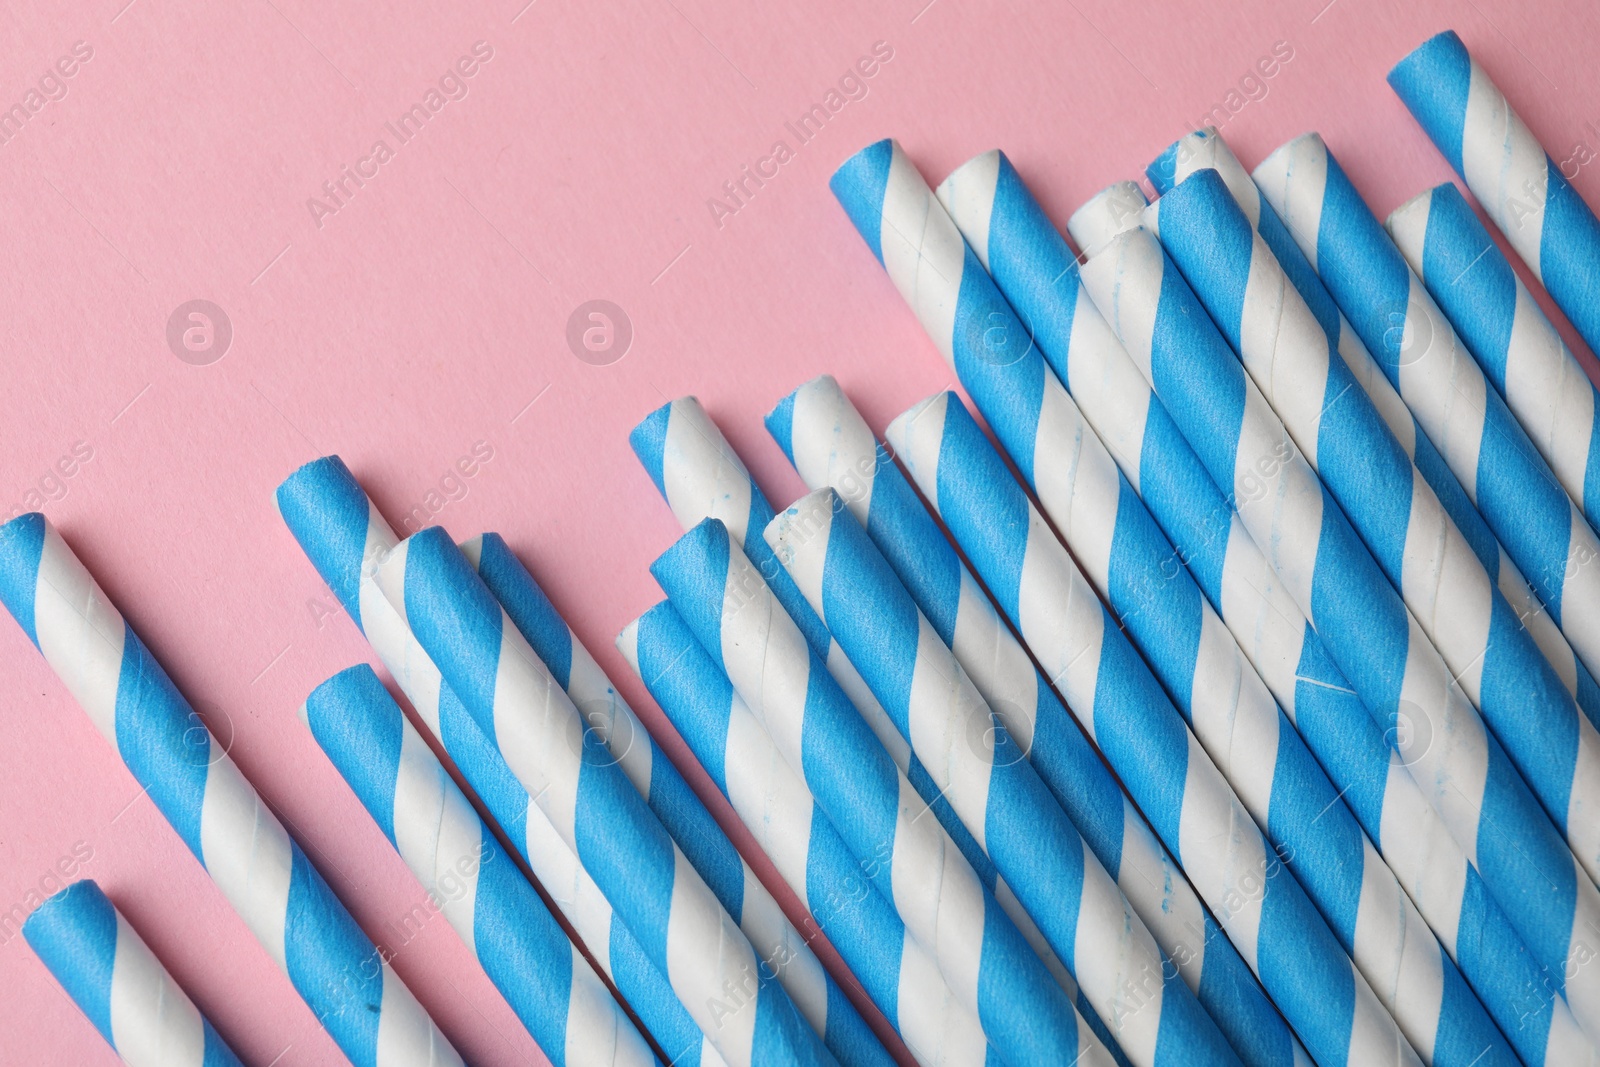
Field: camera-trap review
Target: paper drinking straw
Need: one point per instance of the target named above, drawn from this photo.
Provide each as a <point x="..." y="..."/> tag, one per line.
<point x="550" y="986"/>
<point x="831" y="445"/>
<point x="342" y="533"/>
<point x="779" y="945"/>
<point x="1523" y="190"/>
<point x="701" y="476"/>
<point x="997" y="360"/>
<point x="1314" y="551"/>
<point x="1037" y="272"/>
<point x="1506" y="331"/>
<point x="1230" y="710"/>
<point x="194" y="783"/>
<point x="992" y="786"/>
<point x="909" y="859"/>
<point x="1527" y="508"/>
<point x="776" y="806"/>
<point x="1205" y="149"/>
<point x="114" y="979"/>
<point x="1119" y="207"/>
<point x="1249" y="888"/>
<point x="576" y="783"/>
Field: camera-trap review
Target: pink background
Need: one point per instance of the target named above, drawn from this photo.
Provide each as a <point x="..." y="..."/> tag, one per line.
<point x="429" y="311"/>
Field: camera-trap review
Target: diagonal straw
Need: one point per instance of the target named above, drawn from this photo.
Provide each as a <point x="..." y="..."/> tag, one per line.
<point x="1256" y="898"/>
<point x="556" y="995"/>
<point x="114" y="979"/>
<point x="1516" y="492"/>
<point x="1331" y="575"/>
<point x="342" y="532"/>
<point x="910" y="859"/>
<point x="778" y="809"/>
<point x="574" y="780"/>
<point x="779" y="945"/>
<point x="1038" y="273"/>
<point x="1523" y="190"/>
<point x="1509" y="335"/>
<point x="260" y="870"/>
<point x="830" y="445"/>
<point x="1205" y="150"/>
<point x="997" y="360"/>
<point x="993" y="788"/>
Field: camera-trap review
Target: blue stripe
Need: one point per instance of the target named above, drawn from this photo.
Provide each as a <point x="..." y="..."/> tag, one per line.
<point x="780" y="424"/>
<point x="326" y="510"/>
<point x="346" y="715"/>
<point x="1569" y="254"/>
<point x="527" y="605"/>
<point x="1471" y="279"/>
<point x="74" y="933"/>
<point x="696" y="698"/>
<point x="21" y="548"/>
<point x="859" y="186"/>
<point x="649" y="441"/>
<point x="1433" y="82"/>
<point x="337" y="971"/>
<point x="161" y="739"/>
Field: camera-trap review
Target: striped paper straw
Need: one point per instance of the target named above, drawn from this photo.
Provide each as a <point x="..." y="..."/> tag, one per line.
<point x="1249" y="888"/>
<point x="557" y="996"/>
<point x="1513" y="488"/>
<point x="601" y="816"/>
<point x="830" y="444"/>
<point x="1036" y="270"/>
<point x="780" y="946"/>
<point x="1204" y="150"/>
<point x="911" y="860"/>
<point x="992" y="786"/>
<point x="1523" y="190"/>
<point x="194" y="783"/>
<point x="701" y="476"/>
<point x="777" y="808"/>
<point x="1504" y="328"/>
<point x="1230" y="710"/>
<point x="342" y="531"/>
<point x="1331" y="575"/>
<point x="998" y="362"/>
<point x="114" y="979"/>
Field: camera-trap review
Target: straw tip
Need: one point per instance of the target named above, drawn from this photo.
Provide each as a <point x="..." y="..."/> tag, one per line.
<point x="1112" y="211"/>
<point x="1446" y="44"/>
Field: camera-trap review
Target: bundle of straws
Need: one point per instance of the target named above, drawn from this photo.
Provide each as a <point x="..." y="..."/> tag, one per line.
<point x="1233" y="704"/>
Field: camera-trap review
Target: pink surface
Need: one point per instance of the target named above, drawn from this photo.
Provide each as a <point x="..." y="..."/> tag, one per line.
<point x="429" y="311"/>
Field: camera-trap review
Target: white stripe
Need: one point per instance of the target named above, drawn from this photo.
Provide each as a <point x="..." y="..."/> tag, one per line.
<point x="1303" y="163"/>
<point x="406" y="1036"/>
<point x="938" y="1030"/>
<point x="1233" y="716"/>
<point x="1504" y="167"/>
<point x="247" y="852"/>
<point x="1115" y="209"/>
<point x="80" y="633"/>
<point x="598" y="1034"/>
<point x="1160" y="894"/>
<point x="537" y="730"/>
<point x="1108" y="388"/>
<point x="1063" y="619"/>
<point x="710" y="965"/>
<point x="968" y="195"/>
<point x="936" y="892"/>
<point x="1441" y="738"/>
<point x="832" y="446"/>
<point x="772" y="801"/>
<point x="1284" y="349"/>
<point x="1549" y="392"/>
<point x="780" y="947"/>
<point x="437" y="834"/>
<point x="996" y="662"/>
<point x="922" y="252"/>
<point x="1442" y="385"/>
<point x="952" y="731"/>
<point x="1446" y="587"/>
<point x="153" y="1022"/>
<point x="701" y="476"/>
<point x="1077" y="480"/>
<point x="1223" y="853"/>
<point x="570" y="886"/>
<point x="1390" y="932"/>
<point x="608" y="716"/>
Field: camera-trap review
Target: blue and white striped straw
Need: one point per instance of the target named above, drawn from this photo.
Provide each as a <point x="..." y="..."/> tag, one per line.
<point x="777" y="807"/>
<point x="1425" y="556"/>
<point x="1031" y="413"/>
<point x="909" y="859"/>
<point x="701" y="476"/>
<point x="994" y="789"/>
<point x="1036" y="270"/>
<point x="550" y="986"/>
<point x="194" y="783"/>
<point x="577" y="784"/>
<point x="1513" y="487"/>
<point x="1332" y="577"/>
<point x="1250" y="889"/>
<point x="1523" y="190"/>
<point x="114" y="979"/>
<point x="342" y="532"/>
<point x="779" y="945"/>
<point x="1205" y="149"/>
<point x="1506" y="331"/>
<point x="830" y="444"/>
<point x="1230" y="710"/>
